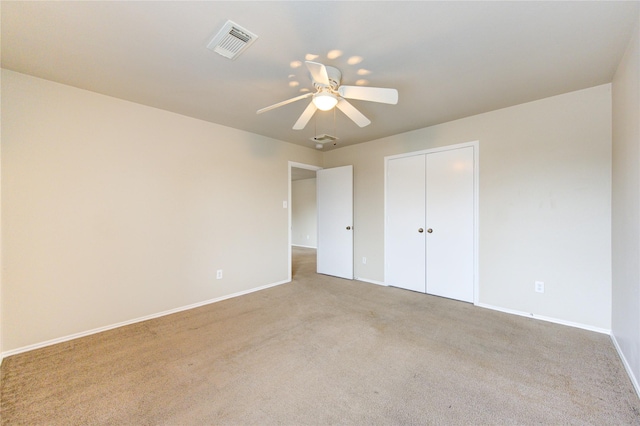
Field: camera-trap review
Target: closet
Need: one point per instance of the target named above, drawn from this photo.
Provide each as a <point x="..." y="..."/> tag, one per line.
<point x="430" y="229"/>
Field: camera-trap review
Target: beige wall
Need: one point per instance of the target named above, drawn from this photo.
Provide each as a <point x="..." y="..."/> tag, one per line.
<point x="304" y="215"/>
<point x="113" y="211"/>
<point x="545" y="212"/>
<point x="626" y="208"/>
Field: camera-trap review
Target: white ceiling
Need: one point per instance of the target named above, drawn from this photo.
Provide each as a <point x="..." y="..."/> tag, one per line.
<point x="448" y="60"/>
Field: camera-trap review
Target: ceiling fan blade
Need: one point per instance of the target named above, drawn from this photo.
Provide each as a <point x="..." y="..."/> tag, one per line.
<point x="318" y="73"/>
<point x="373" y="94"/>
<point x="305" y="117"/>
<point x="288" y="101"/>
<point x="351" y="112"/>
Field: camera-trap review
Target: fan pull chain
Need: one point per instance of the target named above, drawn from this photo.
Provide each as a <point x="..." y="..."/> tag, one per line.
<point x="335" y="128"/>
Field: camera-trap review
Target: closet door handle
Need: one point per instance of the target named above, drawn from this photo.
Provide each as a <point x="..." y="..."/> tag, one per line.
<point x="420" y="230"/>
<point x="348" y="228"/>
<point x="429" y="230"/>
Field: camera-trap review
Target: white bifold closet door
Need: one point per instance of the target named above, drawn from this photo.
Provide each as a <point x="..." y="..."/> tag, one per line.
<point x="430" y="223"/>
<point x="405" y="246"/>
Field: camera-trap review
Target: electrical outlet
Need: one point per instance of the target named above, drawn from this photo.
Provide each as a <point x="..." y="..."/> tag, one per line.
<point x="219" y="274"/>
<point x="364" y="260"/>
<point x="539" y="287"/>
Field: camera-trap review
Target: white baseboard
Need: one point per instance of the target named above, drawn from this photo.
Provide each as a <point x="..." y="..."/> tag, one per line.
<point x="543" y="318"/>
<point x="133" y="321"/>
<point x="365" y="280"/>
<point x="632" y="377"/>
<point x="298" y="245"/>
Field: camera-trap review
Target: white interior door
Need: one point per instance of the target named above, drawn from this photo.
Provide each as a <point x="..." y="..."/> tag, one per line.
<point x="405" y="244"/>
<point x="335" y="221"/>
<point x="450" y="223"/>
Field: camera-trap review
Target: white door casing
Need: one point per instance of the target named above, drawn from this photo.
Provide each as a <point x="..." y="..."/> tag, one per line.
<point x="335" y="221"/>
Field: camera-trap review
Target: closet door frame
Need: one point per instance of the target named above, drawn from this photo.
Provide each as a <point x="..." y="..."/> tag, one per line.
<point x="476" y="197"/>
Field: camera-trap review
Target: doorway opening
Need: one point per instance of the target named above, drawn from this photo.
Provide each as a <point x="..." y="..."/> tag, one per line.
<point x="302" y="227"/>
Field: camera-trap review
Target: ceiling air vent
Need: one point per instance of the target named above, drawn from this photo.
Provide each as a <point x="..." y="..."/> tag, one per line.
<point x="324" y="138"/>
<point x="231" y="40"/>
<point x="320" y="140"/>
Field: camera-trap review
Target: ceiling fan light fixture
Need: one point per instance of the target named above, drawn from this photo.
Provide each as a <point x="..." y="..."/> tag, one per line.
<point x="324" y="101"/>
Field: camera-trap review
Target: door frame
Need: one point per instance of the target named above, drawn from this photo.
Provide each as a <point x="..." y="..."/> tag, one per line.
<point x="476" y="204"/>
<point x="291" y="165"/>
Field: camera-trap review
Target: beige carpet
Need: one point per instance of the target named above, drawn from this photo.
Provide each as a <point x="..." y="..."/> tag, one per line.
<point x="322" y="351"/>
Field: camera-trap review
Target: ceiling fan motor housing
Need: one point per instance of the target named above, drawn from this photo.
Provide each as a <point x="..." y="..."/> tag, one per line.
<point x="335" y="76"/>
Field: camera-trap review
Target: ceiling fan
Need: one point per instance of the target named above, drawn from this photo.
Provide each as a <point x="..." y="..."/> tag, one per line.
<point x="329" y="93"/>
